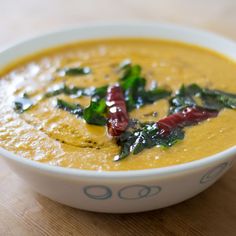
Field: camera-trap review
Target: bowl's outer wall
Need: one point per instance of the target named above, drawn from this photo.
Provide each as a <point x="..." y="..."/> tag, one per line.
<point x="121" y="196"/>
<point x="125" y="194"/>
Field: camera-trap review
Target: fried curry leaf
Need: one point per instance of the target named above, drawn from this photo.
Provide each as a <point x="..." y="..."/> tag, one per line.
<point x="184" y="98"/>
<point x="133" y="90"/>
<point x="75" y="109"/>
<point x="193" y="95"/>
<point x="216" y="99"/>
<point x="95" y="112"/>
<point x="23" y="103"/>
<point x="98" y="93"/>
<point x="153" y="95"/>
<point x="133" y="85"/>
<point x="64" y="89"/>
<point x="128" y="71"/>
<point x="145" y="137"/>
<point x="75" y="91"/>
<point x="75" y="71"/>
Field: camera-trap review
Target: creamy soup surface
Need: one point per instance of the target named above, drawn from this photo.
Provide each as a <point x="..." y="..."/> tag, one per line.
<point x="54" y="136"/>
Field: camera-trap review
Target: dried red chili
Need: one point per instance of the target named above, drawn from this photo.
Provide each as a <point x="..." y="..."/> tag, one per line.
<point x="118" y="118"/>
<point x="187" y="117"/>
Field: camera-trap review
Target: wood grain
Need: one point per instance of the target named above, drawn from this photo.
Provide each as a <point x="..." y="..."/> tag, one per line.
<point x="23" y="212"/>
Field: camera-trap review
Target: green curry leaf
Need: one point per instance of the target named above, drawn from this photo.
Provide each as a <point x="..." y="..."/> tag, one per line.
<point x="194" y="95"/>
<point x="64" y="89"/>
<point x="75" y="71"/>
<point x="133" y="85"/>
<point x="75" y="109"/>
<point x="23" y="103"/>
<point x="145" y="137"/>
<point x="183" y="98"/>
<point x="94" y="113"/>
<point x="75" y="91"/>
<point x="218" y="99"/>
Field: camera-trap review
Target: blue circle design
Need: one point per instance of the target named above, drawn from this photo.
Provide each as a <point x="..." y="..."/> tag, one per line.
<point x="143" y="192"/>
<point x="213" y="173"/>
<point x="92" y="192"/>
<point x="134" y="192"/>
<point x="154" y="190"/>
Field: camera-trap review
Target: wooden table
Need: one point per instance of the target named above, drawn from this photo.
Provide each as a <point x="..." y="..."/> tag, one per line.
<point x="23" y="212"/>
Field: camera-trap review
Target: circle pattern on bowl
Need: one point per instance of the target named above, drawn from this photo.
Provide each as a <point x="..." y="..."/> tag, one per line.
<point x="133" y="192"/>
<point x="213" y="173"/>
<point x="98" y="192"/>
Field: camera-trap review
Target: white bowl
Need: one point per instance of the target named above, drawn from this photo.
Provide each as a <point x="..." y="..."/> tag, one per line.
<point x="123" y="191"/>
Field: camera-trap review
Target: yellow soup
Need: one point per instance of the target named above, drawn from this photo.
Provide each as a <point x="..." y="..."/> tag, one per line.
<point x="50" y="135"/>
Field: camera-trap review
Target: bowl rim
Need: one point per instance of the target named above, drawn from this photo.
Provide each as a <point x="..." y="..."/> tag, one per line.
<point x="162" y="171"/>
